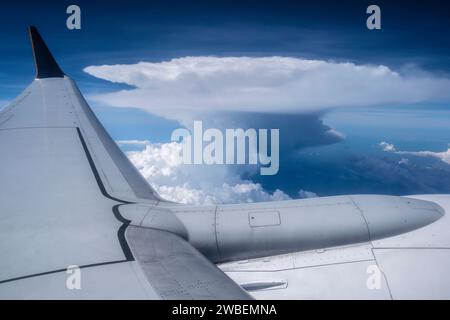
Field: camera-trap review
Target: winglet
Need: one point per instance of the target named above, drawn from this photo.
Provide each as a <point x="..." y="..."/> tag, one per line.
<point x="46" y="65"/>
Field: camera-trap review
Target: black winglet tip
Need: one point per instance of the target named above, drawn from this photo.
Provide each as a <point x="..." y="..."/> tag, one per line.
<point x="46" y="65"/>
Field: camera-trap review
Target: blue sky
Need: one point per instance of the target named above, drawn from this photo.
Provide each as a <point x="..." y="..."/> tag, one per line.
<point x="413" y="38"/>
<point x="125" y="32"/>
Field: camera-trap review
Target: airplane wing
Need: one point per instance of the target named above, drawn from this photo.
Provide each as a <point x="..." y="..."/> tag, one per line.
<point x="62" y="182"/>
<point x="78" y="221"/>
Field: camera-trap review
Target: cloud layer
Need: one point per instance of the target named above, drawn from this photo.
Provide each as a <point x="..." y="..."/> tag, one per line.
<point x="177" y="88"/>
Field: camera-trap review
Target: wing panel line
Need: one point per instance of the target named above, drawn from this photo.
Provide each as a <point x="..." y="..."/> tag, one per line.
<point x="125" y="222"/>
<point x="61" y="270"/>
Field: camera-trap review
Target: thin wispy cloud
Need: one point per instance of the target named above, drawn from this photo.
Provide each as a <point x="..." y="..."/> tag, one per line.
<point x="136" y="143"/>
<point x="443" y="156"/>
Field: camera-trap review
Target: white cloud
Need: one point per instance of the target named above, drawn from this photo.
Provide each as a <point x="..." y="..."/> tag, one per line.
<point x="443" y="156"/>
<point x="388" y="147"/>
<point x="161" y="165"/>
<point x="189" y="86"/>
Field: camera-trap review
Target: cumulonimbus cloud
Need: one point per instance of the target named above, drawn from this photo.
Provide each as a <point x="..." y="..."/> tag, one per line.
<point x="198" y="85"/>
<point x="247" y="92"/>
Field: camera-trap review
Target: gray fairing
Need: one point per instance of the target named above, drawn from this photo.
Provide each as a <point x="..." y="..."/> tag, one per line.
<point x="245" y="231"/>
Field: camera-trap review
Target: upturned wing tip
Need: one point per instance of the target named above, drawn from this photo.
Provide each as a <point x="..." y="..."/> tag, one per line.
<point x="46" y="65"/>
